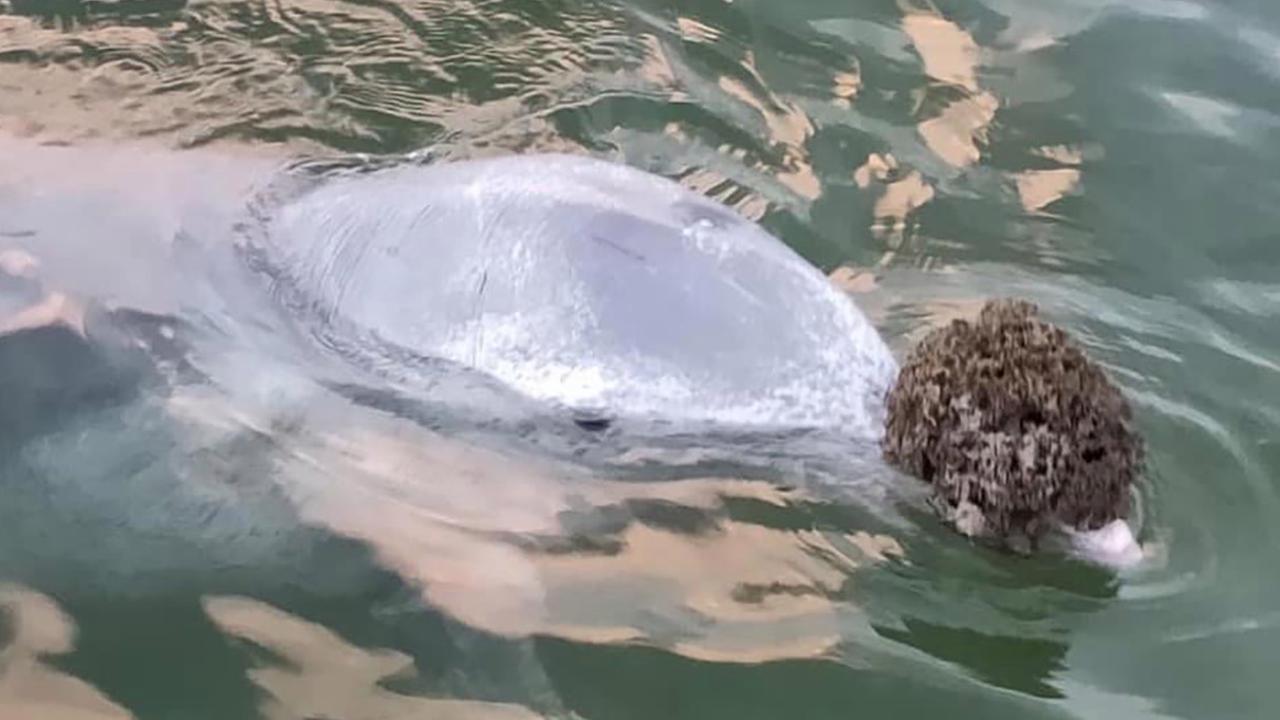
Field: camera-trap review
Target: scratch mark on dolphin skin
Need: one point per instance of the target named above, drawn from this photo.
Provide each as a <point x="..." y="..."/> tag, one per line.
<point x="488" y="228"/>
<point x="625" y="251"/>
<point x="18" y="233"/>
<point x="475" y="350"/>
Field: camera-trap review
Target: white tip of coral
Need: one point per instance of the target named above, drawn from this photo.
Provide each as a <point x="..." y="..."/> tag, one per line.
<point x="1112" y="545"/>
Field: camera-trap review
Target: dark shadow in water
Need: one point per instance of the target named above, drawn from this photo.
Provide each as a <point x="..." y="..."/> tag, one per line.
<point x="1017" y="663"/>
<point x="593" y="424"/>
<point x="1081" y="585"/>
<point x="1005" y="618"/>
<point x="672" y="517"/>
<point x="159" y="657"/>
<point x="800" y="514"/>
<point x="600" y="530"/>
<point x="625" y="682"/>
<point x="48" y="374"/>
<point x="6" y="631"/>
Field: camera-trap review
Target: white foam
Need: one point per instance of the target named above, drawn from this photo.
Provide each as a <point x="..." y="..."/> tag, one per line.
<point x="1113" y="545"/>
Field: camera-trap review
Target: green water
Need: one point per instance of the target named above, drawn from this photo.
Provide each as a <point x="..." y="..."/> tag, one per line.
<point x="167" y="555"/>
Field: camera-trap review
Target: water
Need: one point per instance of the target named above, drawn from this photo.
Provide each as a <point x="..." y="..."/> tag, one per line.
<point x="216" y="524"/>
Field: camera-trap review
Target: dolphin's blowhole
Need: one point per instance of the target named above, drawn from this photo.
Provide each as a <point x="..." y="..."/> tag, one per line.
<point x="1016" y="430"/>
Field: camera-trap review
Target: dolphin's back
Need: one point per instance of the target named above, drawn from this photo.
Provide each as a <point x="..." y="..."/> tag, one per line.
<point x="582" y="282"/>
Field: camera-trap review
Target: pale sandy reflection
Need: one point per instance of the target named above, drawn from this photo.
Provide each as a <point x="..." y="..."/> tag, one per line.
<point x="902" y="193"/>
<point x="951" y="56"/>
<point x="853" y="280"/>
<point x="752" y="593"/>
<point x="694" y="30"/>
<point x="899" y="200"/>
<point x="491" y="539"/>
<point x="1039" y="188"/>
<point x="322" y="675"/>
<point x="709" y="183"/>
<point x="954" y="134"/>
<point x="788" y="126"/>
<point x="55" y="309"/>
<point x="877" y="167"/>
<point x="655" y="67"/>
<point x="949" y="53"/>
<point x="713" y="184"/>
<point x="845" y="86"/>
<point x="29" y="687"/>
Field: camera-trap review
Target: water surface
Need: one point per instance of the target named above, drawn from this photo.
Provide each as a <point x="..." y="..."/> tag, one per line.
<point x="201" y="518"/>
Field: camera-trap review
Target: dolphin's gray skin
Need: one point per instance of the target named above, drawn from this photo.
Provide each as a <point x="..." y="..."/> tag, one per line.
<point x="580" y="282"/>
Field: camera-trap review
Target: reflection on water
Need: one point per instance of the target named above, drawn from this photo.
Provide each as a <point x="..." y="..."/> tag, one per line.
<point x="519" y="546"/>
<point x="951" y="57"/>
<point x="1040" y="187"/>
<point x="55" y="309"/>
<point x="29" y="686"/>
<point x="316" y="548"/>
<point x="314" y="673"/>
<point x="901" y="195"/>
